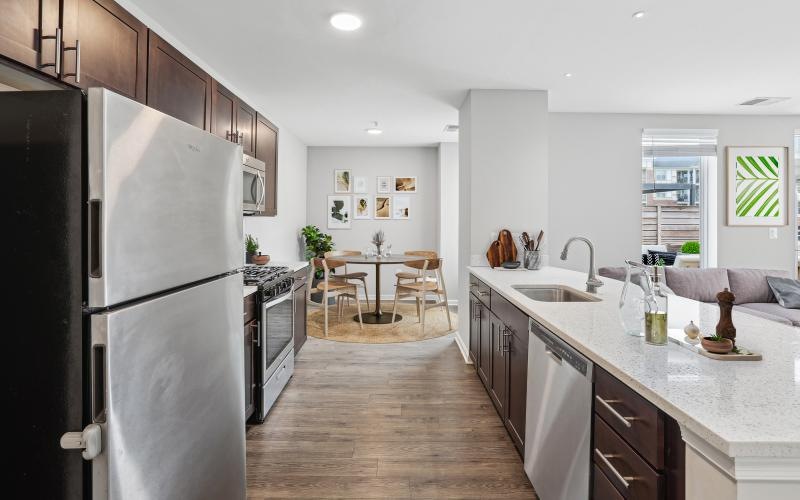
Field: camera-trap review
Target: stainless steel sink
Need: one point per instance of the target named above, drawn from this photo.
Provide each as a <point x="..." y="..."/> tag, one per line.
<point x="554" y="293"/>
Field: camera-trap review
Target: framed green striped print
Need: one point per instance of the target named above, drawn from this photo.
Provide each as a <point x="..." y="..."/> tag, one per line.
<point x="757" y="186"/>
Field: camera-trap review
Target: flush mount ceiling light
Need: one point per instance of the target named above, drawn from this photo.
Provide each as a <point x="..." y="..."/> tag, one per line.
<point x="344" y="21"/>
<point x="638" y="14"/>
<point x="567" y="75"/>
<point x="451" y="128"/>
<point x="373" y="130"/>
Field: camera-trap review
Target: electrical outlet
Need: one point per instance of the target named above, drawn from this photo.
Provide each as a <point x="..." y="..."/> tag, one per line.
<point x="773" y="233"/>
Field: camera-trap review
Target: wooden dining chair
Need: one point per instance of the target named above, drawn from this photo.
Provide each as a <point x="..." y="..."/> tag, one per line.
<point x="429" y="281"/>
<point x="413" y="269"/>
<point x="331" y="288"/>
<point x="347" y="276"/>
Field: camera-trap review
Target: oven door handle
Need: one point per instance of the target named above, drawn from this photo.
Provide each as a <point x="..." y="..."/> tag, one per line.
<point x="283" y="298"/>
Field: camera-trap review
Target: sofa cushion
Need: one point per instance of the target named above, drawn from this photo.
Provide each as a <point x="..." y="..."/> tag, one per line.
<point x="614" y="273"/>
<point x="786" y="291"/>
<point x="697" y="284"/>
<point x="750" y="285"/>
<point x="772" y="311"/>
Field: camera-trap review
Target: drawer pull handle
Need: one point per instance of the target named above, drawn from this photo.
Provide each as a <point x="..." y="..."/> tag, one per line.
<point x="625" y="480"/>
<point x="483" y="293"/>
<point x="606" y="403"/>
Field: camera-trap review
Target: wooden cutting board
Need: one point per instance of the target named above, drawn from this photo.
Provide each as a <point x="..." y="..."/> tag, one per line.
<point x="495" y="254"/>
<point x="509" y="248"/>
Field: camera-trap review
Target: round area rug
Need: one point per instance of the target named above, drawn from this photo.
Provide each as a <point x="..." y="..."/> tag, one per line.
<point x="405" y="330"/>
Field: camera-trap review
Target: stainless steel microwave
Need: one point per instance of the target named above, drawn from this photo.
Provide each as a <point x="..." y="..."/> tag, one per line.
<point x="253" y="185"/>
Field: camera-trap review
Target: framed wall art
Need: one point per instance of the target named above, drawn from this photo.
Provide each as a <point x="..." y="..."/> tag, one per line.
<point x="384" y="184"/>
<point x="359" y="184"/>
<point x="361" y="207"/>
<point x="383" y="207"/>
<point x="757" y="186"/>
<point x="405" y="184"/>
<point x="342" y="181"/>
<point x="339" y="212"/>
<point x="401" y="207"/>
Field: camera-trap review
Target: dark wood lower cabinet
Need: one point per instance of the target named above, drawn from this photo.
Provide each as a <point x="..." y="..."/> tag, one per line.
<point x="300" y="309"/>
<point x="499" y="378"/>
<point x="649" y="448"/>
<point x="485" y="347"/>
<point x="499" y="349"/>
<point x="602" y="489"/>
<point x="250" y="337"/>
<point x="517" y="387"/>
<point x="474" y="328"/>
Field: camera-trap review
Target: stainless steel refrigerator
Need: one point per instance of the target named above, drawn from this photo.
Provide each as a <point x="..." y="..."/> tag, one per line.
<point x="124" y="352"/>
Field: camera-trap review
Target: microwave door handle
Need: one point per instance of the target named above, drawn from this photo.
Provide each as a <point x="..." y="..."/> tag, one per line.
<point x="260" y="202"/>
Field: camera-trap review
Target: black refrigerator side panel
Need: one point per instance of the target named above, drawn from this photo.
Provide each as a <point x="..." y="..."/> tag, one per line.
<point x="41" y="153"/>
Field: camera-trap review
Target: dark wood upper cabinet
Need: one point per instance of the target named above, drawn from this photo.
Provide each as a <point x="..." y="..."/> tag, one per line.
<point x="246" y="128"/>
<point x="267" y="151"/>
<point x="23" y="23"/>
<point x="112" y="50"/>
<point x="177" y="86"/>
<point x="223" y="111"/>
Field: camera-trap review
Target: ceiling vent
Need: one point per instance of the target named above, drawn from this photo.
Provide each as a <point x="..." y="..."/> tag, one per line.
<point x="763" y="101"/>
<point x="451" y="128"/>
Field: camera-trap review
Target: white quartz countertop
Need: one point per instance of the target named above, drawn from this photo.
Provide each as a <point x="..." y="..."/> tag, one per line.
<point x="250" y="290"/>
<point x="749" y="408"/>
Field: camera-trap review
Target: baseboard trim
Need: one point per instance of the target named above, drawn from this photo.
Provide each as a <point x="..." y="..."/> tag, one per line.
<point x="462" y="348"/>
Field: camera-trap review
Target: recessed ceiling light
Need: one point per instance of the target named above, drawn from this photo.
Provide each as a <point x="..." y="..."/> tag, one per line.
<point x="638" y="14"/>
<point x="567" y="75"/>
<point x="374" y="130"/>
<point x="345" y="21"/>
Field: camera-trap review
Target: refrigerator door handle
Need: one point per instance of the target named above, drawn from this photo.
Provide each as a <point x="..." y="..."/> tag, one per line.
<point x="95" y="238"/>
<point x="89" y="440"/>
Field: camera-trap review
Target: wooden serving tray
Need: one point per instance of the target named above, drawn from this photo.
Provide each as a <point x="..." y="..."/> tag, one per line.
<point x="754" y="356"/>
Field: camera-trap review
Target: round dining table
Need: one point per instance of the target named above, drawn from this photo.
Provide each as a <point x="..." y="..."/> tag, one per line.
<point x="377" y="317"/>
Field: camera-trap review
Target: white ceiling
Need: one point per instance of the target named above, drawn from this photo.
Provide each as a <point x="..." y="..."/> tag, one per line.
<point x="411" y="63"/>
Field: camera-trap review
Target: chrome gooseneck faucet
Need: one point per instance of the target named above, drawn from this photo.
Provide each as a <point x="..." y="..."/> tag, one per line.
<point x="592" y="283"/>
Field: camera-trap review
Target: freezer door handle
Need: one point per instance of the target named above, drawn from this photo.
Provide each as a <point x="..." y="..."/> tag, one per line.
<point x="89" y="440"/>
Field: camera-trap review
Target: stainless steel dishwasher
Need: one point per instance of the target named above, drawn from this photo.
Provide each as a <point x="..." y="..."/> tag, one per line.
<point x="558" y="417"/>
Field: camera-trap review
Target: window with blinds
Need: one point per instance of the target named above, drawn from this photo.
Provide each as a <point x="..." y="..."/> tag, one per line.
<point x="673" y="166"/>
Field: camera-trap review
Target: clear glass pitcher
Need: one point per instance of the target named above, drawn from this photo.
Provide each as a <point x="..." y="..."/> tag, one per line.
<point x="637" y="290"/>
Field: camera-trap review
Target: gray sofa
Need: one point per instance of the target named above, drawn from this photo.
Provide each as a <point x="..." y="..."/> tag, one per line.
<point x="753" y="294"/>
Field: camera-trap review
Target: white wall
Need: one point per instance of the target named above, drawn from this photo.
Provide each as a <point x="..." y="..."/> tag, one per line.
<point x="448" y="215"/>
<point x="595" y="185"/>
<point x="419" y="232"/>
<point x="503" y="155"/>
<point x="279" y="236"/>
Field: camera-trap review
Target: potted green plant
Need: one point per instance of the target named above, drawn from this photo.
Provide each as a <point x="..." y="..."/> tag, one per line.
<point x="717" y="344"/>
<point x="250" y="248"/>
<point x="317" y="243"/>
<point x="691" y="247"/>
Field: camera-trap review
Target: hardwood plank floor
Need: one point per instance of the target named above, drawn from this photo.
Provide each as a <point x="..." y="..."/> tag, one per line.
<point x="383" y="421"/>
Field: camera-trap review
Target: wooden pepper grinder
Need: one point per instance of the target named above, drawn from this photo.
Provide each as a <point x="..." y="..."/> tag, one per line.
<point x="725" y="326"/>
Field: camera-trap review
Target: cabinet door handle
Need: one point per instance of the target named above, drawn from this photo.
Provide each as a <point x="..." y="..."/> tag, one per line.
<point x="240" y="138"/>
<point x="625" y="480"/>
<point x="57" y="64"/>
<point x="77" y="49"/>
<point x="626" y="421"/>
<point x="507" y="339"/>
<point x="228" y="135"/>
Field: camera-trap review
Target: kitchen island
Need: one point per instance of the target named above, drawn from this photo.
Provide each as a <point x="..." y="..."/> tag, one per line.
<point x="740" y="420"/>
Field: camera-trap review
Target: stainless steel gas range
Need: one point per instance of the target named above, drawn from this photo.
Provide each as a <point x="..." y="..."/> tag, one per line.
<point x="274" y="353"/>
